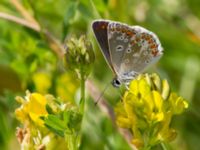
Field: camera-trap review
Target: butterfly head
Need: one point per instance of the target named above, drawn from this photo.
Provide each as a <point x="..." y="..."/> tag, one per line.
<point x="116" y="82"/>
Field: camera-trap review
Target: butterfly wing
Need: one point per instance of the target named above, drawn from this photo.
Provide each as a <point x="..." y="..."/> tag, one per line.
<point x="132" y="49"/>
<point x="100" y="30"/>
<point x="118" y="43"/>
<point x="143" y="50"/>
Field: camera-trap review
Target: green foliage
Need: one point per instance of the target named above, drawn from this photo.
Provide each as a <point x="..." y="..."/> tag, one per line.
<point x="26" y="53"/>
<point x="65" y="122"/>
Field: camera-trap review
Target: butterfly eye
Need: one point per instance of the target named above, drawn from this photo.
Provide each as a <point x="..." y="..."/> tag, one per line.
<point x="119" y="48"/>
<point x="116" y="83"/>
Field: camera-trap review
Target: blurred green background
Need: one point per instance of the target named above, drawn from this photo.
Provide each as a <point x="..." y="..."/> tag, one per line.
<point x="27" y="60"/>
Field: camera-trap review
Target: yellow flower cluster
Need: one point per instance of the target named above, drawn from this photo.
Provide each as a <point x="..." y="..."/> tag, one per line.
<point x="147" y="109"/>
<point x="33" y="106"/>
<point x="34" y="134"/>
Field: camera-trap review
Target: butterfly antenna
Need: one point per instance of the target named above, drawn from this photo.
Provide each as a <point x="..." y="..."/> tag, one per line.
<point x="102" y="93"/>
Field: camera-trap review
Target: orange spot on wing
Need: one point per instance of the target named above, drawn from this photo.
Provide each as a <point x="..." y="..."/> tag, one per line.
<point x="129" y="33"/>
<point x="153" y="46"/>
<point x="154" y="52"/>
<point x="147" y="38"/>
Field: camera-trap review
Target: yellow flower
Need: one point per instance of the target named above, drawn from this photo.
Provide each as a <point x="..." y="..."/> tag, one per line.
<point x="42" y="82"/>
<point x="66" y="87"/>
<point x="147" y="110"/>
<point x="31" y="109"/>
<point x="34" y="133"/>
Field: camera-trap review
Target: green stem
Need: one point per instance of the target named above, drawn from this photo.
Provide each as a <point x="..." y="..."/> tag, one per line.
<point x="165" y="146"/>
<point x="71" y="141"/>
<point x="82" y="101"/>
<point x="147" y="148"/>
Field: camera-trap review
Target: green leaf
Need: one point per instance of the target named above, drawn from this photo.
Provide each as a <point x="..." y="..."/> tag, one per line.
<point x="19" y="67"/>
<point x="49" y="109"/>
<point x="100" y="5"/>
<point x="66" y="117"/>
<point x="71" y="11"/>
<point x="70" y="14"/>
<point x="85" y="10"/>
<point x="74" y="120"/>
<point x="54" y="123"/>
<point x="33" y="66"/>
<point x="58" y="132"/>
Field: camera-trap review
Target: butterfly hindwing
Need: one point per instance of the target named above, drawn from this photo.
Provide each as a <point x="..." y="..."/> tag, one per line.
<point x="118" y="42"/>
<point x="144" y="49"/>
<point x="132" y="49"/>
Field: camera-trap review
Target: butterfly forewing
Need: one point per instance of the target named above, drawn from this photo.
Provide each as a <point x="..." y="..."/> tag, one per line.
<point x="100" y="30"/>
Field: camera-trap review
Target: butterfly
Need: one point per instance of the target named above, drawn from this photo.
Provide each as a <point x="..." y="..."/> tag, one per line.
<point x="128" y="50"/>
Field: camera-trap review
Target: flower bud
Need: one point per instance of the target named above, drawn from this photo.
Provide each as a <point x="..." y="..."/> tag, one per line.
<point x="79" y="55"/>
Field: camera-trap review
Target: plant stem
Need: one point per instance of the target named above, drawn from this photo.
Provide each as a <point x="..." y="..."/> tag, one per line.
<point x="82" y="101"/>
<point x="71" y="141"/>
<point x="165" y="146"/>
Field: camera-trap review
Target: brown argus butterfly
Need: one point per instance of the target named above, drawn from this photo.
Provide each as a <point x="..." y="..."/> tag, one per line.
<point x="128" y="50"/>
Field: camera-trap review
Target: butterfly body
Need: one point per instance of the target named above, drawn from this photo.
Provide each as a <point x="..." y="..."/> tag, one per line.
<point x="128" y="50"/>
